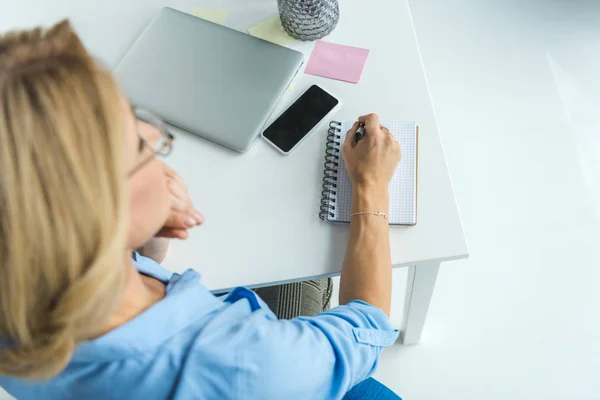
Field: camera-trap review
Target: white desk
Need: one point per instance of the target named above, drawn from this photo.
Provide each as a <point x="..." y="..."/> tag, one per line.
<point x="261" y="208"/>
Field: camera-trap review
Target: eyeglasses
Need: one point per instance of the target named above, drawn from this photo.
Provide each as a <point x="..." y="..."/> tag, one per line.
<point x="159" y="145"/>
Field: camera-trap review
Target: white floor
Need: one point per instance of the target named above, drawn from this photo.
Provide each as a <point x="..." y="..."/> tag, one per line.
<point x="516" y="87"/>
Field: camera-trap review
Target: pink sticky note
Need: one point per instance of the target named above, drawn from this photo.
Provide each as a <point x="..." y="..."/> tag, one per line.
<point x="336" y="61"/>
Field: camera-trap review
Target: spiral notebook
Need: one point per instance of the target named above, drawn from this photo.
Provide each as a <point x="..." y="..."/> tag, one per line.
<point x="336" y="201"/>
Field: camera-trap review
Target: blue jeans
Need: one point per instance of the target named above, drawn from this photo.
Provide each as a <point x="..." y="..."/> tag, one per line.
<point x="370" y="389"/>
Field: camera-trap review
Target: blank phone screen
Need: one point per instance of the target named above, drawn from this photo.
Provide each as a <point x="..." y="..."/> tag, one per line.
<point x="302" y="116"/>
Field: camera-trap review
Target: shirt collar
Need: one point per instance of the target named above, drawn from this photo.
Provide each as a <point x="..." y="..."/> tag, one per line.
<point x="186" y="301"/>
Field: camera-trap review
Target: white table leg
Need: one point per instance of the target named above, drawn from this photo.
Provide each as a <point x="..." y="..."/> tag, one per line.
<point x="419" y="289"/>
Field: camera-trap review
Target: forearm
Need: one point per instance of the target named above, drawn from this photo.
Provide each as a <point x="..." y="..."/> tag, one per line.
<point x="367" y="268"/>
<point x="156" y="249"/>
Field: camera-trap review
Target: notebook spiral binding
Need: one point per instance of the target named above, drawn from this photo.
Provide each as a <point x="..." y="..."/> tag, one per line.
<point x="332" y="159"/>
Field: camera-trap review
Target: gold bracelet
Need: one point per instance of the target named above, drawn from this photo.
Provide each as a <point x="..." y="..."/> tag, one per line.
<point x="378" y="213"/>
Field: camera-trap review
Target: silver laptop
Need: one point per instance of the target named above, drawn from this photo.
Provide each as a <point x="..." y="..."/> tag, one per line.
<point x="207" y="79"/>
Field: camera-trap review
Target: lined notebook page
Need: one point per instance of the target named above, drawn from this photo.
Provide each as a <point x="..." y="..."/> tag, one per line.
<point x="402" y="188"/>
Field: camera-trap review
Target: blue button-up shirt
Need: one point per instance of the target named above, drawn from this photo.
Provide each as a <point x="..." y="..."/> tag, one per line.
<point x="194" y="345"/>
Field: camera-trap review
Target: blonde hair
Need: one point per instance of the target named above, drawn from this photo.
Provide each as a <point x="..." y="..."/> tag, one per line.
<point x="62" y="206"/>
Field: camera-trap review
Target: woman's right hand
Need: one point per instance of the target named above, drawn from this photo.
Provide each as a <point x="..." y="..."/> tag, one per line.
<point x="372" y="161"/>
<point x="183" y="215"/>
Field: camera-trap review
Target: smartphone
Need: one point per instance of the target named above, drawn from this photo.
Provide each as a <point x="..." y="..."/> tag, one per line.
<point x="300" y="119"/>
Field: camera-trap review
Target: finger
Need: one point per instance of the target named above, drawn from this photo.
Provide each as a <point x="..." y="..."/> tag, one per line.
<point x="351" y="132"/>
<point x="369" y="118"/>
<point x="180" y="199"/>
<point x="169" y="170"/>
<point x="178" y="204"/>
<point x="166" y="233"/>
<point x="398" y="148"/>
<point x="171" y="173"/>
<point x="387" y="133"/>
<point x="198" y="216"/>
<point x="177" y="189"/>
<point x="371" y="122"/>
<point x="173" y="233"/>
<point x="181" y="234"/>
<point x="182" y="220"/>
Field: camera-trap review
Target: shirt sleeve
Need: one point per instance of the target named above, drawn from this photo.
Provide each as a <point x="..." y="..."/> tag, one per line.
<point x="321" y="356"/>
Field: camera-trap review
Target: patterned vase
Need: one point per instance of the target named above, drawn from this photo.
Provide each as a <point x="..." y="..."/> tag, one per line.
<point x="308" y="19"/>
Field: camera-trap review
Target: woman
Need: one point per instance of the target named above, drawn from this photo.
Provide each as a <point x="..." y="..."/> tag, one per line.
<point x="83" y="316"/>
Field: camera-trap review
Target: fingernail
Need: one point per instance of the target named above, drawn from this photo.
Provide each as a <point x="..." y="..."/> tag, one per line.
<point x="199" y="217"/>
<point x="190" y="222"/>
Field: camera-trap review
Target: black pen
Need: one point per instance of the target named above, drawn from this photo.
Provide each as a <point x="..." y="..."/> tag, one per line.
<point x="360" y="133"/>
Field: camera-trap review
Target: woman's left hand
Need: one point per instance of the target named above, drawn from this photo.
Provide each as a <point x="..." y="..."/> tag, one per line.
<point x="183" y="215"/>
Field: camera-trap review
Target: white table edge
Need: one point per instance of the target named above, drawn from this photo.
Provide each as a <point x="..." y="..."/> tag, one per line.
<point x="335" y="274"/>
